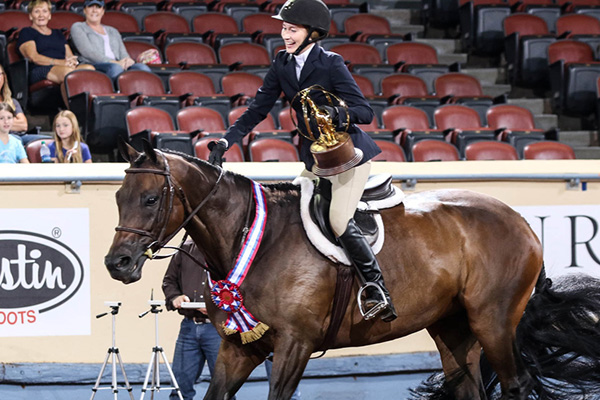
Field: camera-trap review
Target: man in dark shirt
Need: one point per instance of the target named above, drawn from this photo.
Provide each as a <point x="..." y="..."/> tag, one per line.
<point x="198" y="340"/>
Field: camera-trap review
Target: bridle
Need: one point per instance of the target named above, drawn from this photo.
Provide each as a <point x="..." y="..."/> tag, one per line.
<point x="168" y="195"/>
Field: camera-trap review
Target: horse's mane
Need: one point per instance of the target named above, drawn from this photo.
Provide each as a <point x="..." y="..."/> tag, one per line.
<point x="282" y="191"/>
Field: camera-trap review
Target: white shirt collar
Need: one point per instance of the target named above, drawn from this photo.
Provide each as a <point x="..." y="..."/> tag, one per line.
<point x="301" y="59"/>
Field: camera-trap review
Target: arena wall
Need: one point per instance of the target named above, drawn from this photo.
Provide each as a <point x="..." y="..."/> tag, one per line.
<point x="81" y="199"/>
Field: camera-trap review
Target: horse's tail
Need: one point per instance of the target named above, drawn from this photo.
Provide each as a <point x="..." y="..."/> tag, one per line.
<point x="559" y="336"/>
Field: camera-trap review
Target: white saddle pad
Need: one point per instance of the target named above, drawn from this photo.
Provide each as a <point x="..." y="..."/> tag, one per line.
<point x="321" y="243"/>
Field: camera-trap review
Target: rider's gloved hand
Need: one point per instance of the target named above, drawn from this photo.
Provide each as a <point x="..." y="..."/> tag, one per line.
<point x="333" y="113"/>
<point x="217" y="149"/>
<point x="338" y="115"/>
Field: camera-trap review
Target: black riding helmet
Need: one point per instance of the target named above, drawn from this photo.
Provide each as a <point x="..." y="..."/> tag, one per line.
<point x="313" y="14"/>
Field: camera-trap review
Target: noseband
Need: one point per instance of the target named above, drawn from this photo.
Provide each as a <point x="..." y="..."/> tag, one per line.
<point x="159" y="241"/>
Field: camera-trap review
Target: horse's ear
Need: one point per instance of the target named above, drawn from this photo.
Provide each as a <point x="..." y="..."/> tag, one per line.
<point x="149" y="150"/>
<point x="128" y="153"/>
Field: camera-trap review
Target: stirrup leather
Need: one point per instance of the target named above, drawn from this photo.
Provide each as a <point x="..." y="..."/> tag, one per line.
<point x="376" y="309"/>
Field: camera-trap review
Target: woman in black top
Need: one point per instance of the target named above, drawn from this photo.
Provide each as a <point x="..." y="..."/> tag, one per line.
<point x="46" y="48"/>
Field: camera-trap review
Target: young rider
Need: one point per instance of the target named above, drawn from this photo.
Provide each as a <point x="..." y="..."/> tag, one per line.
<point x="303" y="64"/>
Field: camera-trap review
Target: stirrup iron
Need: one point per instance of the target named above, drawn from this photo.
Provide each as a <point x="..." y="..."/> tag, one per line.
<point x="376" y="309"/>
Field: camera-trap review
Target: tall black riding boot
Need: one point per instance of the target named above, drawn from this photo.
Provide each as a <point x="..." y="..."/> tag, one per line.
<point x="358" y="250"/>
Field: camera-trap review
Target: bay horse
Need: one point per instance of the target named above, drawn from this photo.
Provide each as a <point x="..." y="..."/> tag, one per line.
<point x="460" y="264"/>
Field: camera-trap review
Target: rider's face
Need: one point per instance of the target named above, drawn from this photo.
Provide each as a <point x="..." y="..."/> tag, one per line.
<point x="293" y="36"/>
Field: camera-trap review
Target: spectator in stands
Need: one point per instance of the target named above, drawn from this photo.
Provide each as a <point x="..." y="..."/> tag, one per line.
<point x="67" y="146"/>
<point x="11" y="148"/>
<point x="19" y="129"/>
<point x="20" y="122"/>
<point x="46" y="48"/>
<point x="101" y="45"/>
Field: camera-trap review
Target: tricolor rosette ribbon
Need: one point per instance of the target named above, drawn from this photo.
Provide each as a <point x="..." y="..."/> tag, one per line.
<point x="227" y="296"/>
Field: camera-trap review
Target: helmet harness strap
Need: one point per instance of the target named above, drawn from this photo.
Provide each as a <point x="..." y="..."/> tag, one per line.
<point x="308" y="40"/>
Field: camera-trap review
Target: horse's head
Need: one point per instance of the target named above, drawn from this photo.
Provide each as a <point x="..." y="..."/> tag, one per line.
<point x="149" y="212"/>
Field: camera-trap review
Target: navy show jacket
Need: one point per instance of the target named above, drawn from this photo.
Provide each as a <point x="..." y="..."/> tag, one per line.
<point x="323" y="68"/>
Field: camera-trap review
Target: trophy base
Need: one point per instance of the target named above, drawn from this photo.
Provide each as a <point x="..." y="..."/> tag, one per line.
<point x="335" y="159"/>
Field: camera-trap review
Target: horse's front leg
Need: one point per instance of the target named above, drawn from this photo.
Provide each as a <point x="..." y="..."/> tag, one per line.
<point x="233" y="366"/>
<point x="290" y="357"/>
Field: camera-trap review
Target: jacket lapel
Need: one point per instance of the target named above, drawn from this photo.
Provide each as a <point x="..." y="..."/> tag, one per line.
<point x="309" y="64"/>
<point x="290" y="73"/>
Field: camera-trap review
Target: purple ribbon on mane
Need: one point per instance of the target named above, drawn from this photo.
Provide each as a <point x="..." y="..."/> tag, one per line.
<point x="226" y="293"/>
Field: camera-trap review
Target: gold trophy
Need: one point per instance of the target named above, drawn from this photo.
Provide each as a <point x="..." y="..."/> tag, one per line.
<point x="332" y="150"/>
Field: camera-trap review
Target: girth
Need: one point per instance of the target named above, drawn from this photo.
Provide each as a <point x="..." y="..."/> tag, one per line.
<point x="341" y="298"/>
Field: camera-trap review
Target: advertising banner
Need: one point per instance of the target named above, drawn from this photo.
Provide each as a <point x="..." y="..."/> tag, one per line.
<point x="44" y="272"/>
<point x="569" y="235"/>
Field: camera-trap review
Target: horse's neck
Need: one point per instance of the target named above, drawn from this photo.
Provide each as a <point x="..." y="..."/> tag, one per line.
<point x="218" y="229"/>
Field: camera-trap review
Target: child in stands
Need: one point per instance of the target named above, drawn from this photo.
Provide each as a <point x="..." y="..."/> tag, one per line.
<point x="11" y="148"/>
<point x="67" y="146"/>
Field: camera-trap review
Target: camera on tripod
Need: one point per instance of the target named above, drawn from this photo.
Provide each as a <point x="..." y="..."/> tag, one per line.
<point x="154" y="305"/>
<point x="114" y="305"/>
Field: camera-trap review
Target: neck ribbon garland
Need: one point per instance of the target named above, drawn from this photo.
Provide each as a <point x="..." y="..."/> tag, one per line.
<point x="226" y="293"/>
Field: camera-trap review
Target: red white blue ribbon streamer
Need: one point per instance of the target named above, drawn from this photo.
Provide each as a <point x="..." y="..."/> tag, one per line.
<point x="226" y="293"/>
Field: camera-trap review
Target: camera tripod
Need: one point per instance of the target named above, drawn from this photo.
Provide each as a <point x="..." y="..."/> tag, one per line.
<point x="154" y="364"/>
<point x="115" y="356"/>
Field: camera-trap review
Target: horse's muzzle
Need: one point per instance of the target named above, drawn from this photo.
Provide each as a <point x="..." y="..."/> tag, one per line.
<point x="123" y="268"/>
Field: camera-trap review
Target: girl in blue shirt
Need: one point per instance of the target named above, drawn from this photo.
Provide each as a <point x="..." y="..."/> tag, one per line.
<point x="67" y="146"/>
<point x="11" y="148"/>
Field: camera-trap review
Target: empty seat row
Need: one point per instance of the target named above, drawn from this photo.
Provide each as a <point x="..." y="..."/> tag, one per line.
<point x="101" y="109"/>
<point x="568" y="67"/>
<point x="200" y="124"/>
<point x="527" y="39"/>
<point x="434" y="150"/>
<point x="573" y="74"/>
<point x="271" y="149"/>
<point x="448" y="88"/>
<point x="461" y="126"/>
<point x="481" y="21"/>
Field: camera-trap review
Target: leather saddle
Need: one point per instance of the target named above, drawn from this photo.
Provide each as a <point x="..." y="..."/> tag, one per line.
<point x="378" y="187"/>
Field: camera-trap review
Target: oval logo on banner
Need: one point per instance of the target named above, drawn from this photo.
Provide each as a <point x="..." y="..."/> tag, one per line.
<point x="36" y="271"/>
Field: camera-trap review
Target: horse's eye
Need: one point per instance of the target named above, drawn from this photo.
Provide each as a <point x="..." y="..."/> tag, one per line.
<point x="152" y="200"/>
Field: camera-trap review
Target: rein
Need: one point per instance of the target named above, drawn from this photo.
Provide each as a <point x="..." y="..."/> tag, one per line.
<point x="160" y="241"/>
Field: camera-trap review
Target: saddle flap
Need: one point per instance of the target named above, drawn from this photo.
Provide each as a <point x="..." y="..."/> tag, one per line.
<point x="378" y="187"/>
<point x="365" y="220"/>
